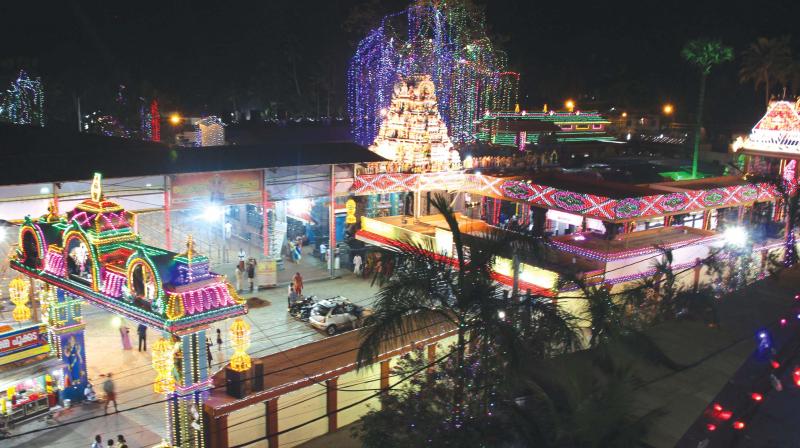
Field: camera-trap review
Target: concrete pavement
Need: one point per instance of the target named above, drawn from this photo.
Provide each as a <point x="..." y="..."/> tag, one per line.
<point x="272" y="330"/>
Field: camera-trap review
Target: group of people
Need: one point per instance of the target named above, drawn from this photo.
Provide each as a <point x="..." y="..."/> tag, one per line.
<point x="245" y="267"/>
<point x="124" y="333"/>
<point x="120" y="443"/>
<point x="296" y="249"/>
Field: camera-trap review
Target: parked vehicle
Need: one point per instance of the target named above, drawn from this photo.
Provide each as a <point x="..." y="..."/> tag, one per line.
<point x="336" y="314"/>
<point x="301" y="309"/>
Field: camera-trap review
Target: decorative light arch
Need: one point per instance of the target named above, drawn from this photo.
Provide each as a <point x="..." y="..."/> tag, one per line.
<point x="139" y="258"/>
<point x="38" y="238"/>
<point x="91" y="252"/>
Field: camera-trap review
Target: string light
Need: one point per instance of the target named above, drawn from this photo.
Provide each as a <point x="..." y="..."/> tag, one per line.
<point x="240" y="340"/>
<point x="23" y="102"/>
<point x="444" y="41"/>
<point x="163" y="363"/>
<point x="412" y="132"/>
<point x="18" y="294"/>
<point x="155" y="122"/>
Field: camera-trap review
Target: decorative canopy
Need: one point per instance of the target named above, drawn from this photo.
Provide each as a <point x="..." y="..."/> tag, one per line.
<point x="778" y="131"/>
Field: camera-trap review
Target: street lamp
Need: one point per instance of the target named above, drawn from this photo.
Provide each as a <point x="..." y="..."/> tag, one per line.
<point x="668" y="109"/>
<point x="570" y="105"/>
<point x="175" y="119"/>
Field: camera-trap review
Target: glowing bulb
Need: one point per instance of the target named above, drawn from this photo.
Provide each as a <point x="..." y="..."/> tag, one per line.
<point x="735" y="236"/>
<point x="501" y="314"/>
<point x="116" y="321"/>
<point x="756" y="396"/>
<point x="175" y="119"/>
<point x="212" y="213"/>
<point x="668" y="109"/>
<point x="738" y="425"/>
<point x="570" y="105"/>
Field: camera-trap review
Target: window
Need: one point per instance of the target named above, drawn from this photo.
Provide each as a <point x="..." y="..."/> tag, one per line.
<point x="566" y="127"/>
<point x="693" y="220"/>
<point x="597" y="126"/>
<point x="581" y="127"/>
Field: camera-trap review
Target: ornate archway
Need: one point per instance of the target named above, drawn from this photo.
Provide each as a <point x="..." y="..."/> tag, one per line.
<point x="81" y="259"/>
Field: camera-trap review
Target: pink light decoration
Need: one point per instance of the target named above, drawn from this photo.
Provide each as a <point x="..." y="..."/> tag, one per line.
<point x="112" y="283"/>
<point x="54" y="263"/>
<point x="206" y="298"/>
<point x="82" y="218"/>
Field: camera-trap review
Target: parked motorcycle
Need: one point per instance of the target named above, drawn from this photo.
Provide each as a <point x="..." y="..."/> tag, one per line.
<point x="302" y="308"/>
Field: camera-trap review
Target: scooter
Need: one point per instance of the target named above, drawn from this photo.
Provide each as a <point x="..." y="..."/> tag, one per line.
<point x="302" y="308"/>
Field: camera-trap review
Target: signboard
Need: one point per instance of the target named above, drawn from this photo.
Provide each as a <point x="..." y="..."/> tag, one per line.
<point x="267" y="273"/>
<point x="202" y="189"/>
<point x="23" y="343"/>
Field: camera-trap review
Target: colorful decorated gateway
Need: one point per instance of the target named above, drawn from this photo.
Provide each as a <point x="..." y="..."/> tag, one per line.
<point x="94" y="254"/>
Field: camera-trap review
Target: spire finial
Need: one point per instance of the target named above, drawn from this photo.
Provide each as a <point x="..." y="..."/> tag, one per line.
<point x="97" y="187"/>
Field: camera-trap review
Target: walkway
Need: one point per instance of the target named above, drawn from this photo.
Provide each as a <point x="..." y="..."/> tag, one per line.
<point x="272" y="330"/>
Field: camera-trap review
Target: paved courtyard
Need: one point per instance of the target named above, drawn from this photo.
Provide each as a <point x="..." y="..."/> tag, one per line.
<point x="272" y="330"/>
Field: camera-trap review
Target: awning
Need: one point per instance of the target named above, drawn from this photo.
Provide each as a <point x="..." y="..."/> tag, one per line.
<point x="13" y="373"/>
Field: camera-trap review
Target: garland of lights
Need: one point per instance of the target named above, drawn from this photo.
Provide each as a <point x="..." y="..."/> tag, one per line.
<point x="444" y="41"/>
<point x="155" y="122"/>
<point x="23" y="102"/>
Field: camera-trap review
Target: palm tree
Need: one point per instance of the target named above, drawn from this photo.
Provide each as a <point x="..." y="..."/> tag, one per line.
<point x="764" y="61"/>
<point x="428" y="288"/>
<point x="704" y="54"/>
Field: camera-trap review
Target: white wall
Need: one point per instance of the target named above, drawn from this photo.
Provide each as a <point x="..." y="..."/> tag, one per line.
<point x="248" y="424"/>
<point x="299" y="407"/>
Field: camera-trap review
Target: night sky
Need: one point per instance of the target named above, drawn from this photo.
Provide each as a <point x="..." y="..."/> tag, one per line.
<point x="291" y="57"/>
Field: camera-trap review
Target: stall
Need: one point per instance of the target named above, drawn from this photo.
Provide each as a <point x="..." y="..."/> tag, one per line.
<point x="30" y="376"/>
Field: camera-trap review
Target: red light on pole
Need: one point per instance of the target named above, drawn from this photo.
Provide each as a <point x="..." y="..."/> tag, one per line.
<point x="738" y="425"/>
<point x="725" y="415"/>
<point x="717" y="407"/>
<point x="756" y="396"/>
<point x="711" y="427"/>
<point x="775" y="364"/>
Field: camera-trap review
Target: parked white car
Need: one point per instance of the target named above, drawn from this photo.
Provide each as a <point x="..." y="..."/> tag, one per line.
<point x="335" y="315"/>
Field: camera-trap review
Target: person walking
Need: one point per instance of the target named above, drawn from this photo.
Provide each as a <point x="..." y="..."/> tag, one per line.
<point x="125" y="335"/>
<point x="297" y="280"/>
<point x="142" y="330"/>
<point x="208" y="351"/>
<point x="98" y="442"/>
<point x="251" y="272"/>
<point x="219" y="340"/>
<point x="121" y="441"/>
<point x="239" y="276"/>
<point x="357" y="262"/>
<point x="242" y="256"/>
<point x="110" y="389"/>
